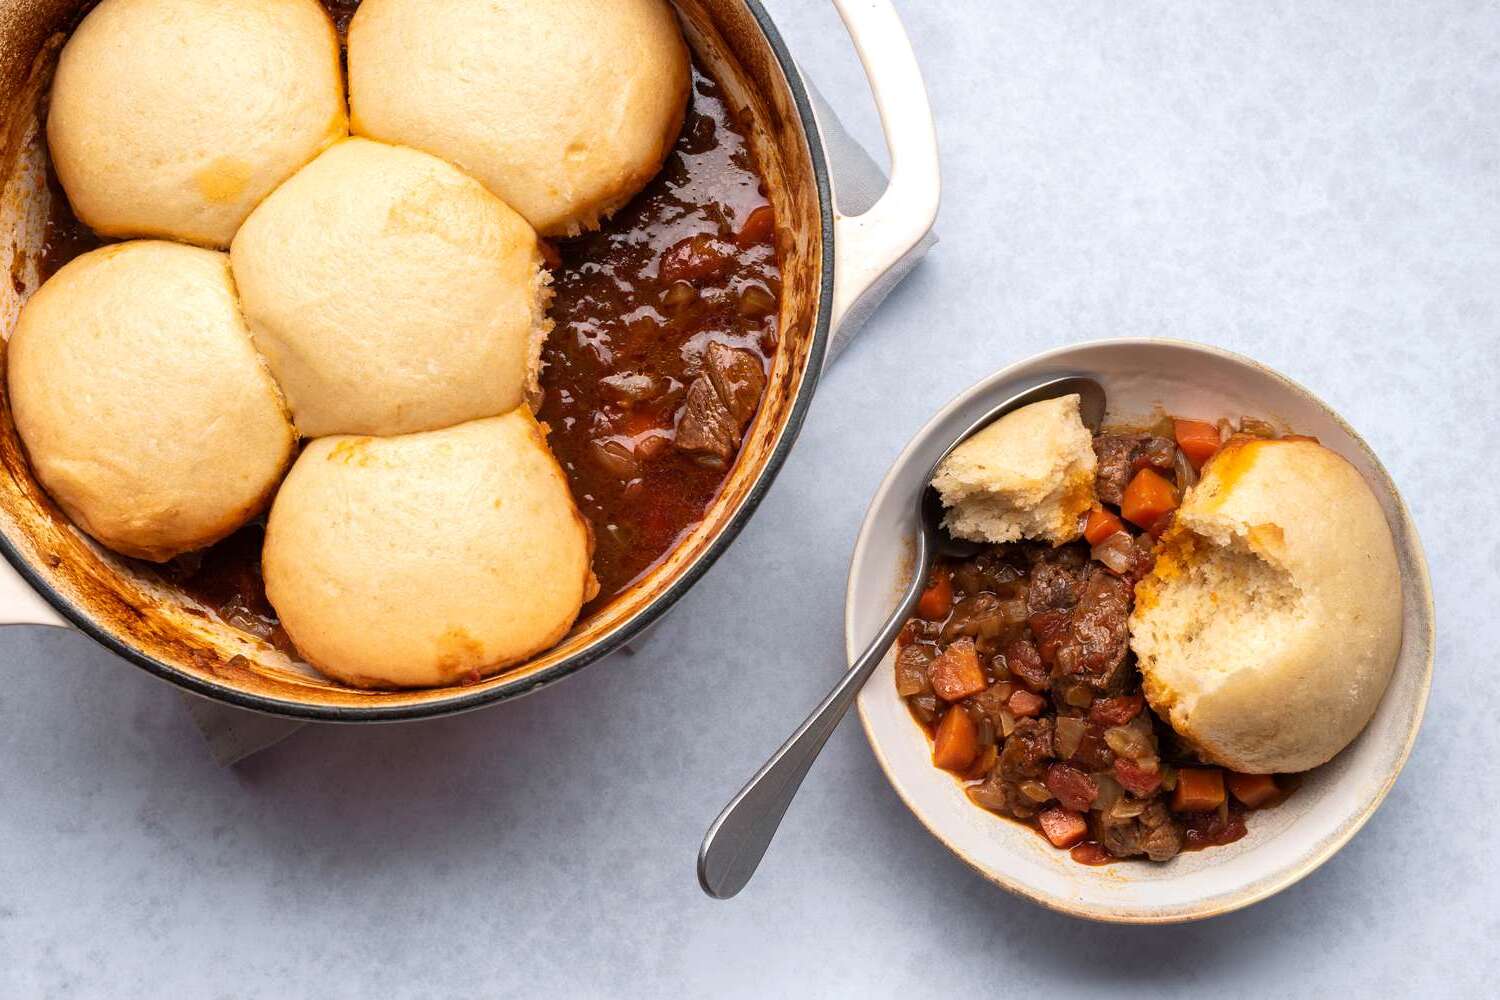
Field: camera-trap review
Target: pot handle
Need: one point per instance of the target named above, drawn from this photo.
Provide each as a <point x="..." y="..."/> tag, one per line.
<point x="20" y="604"/>
<point x="867" y="246"/>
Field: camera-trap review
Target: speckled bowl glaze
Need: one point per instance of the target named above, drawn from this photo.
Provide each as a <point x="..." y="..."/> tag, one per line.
<point x="1284" y="843"/>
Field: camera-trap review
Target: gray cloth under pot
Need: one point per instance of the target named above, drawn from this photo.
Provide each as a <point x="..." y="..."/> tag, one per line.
<point x="234" y="734"/>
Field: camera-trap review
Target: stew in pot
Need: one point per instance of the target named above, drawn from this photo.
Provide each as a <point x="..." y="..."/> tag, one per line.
<point x="665" y="330"/>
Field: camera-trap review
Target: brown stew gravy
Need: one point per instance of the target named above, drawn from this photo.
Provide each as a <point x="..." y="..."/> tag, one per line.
<point x="687" y="271"/>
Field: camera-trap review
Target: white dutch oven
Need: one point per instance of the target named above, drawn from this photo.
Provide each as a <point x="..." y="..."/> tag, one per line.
<point x="51" y="575"/>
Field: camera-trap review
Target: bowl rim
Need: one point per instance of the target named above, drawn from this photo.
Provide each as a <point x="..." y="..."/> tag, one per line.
<point x="1323" y="850"/>
<point x="462" y="701"/>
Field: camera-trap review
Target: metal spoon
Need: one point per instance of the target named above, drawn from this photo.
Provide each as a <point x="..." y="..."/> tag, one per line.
<point x="738" y="839"/>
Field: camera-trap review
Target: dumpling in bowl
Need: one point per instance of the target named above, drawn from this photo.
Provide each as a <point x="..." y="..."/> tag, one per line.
<point x="1029" y="474"/>
<point x="427" y="559"/>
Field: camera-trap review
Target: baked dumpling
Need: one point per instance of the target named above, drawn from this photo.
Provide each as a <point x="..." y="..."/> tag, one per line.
<point x="1029" y="474"/>
<point x="145" y="410"/>
<point x="1269" y="628"/>
<point x="426" y="559"/>
<point x="391" y="293"/>
<point x="174" y="118"/>
<point x="565" y="110"/>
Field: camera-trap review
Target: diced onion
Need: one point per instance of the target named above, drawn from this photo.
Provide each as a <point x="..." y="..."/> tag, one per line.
<point x="1187" y="476"/>
<point x="1079" y="696"/>
<point x="1127" y="742"/>
<point x="1110" y="791"/>
<point x="1116" y="553"/>
<point x="1069" y="734"/>
<point x="1035" y="791"/>
<point x="1127" y="808"/>
<point x="1007" y="722"/>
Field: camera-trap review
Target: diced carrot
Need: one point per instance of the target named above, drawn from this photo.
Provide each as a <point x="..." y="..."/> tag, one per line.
<point x="1025" y="705"/>
<point x="1199" y="789"/>
<point x="1254" y="790"/>
<point x="1100" y="525"/>
<point x="957" y="741"/>
<point x="1135" y="779"/>
<point x="984" y="763"/>
<point x="1198" y="440"/>
<point x="1090" y="853"/>
<point x="956" y="672"/>
<point x="1148" y="498"/>
<point x="937" y="599"/>
<point x="1063" y="827"/>
<point x="759" y="227"/>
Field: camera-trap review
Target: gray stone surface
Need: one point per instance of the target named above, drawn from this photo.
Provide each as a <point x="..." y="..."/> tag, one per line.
<point x="1317" y="185"/>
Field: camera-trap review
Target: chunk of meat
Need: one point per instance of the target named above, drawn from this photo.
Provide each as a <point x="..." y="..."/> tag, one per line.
<point x="1121" y="456"/>
<point x="1100" y="630"/>
<point x="1025" y="705"/>
<point x="1027" y="750"/>
<point x="1089" y="641"/>
<point x="719" y="403"/>
<point x="1093" y="752"/>
<point x="738" y="377"/>
<point x="705" y="426"/>
<point x="1057" y="582"/>
<point x="1072" y="787"/>
<point x="694" y="259"/>
<point x="1118" y="710"/>
<point x="1025" y="664"/>
<point x="1135" y="779"/>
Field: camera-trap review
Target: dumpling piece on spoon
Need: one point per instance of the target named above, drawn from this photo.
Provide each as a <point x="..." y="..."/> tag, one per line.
<point x="1271" y="624"/>
<point x="427" y="559"/>
<point x="143" y="406"/>
<point x="1029" y="475"/>
<point x="564" y="109"/>
<point x="391" y="293"/>
<point x="174" y="118"/>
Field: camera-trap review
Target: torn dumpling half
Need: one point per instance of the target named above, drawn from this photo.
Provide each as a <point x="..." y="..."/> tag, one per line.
<point x="1268" y="630"/>
<point x="1029" y="475"/>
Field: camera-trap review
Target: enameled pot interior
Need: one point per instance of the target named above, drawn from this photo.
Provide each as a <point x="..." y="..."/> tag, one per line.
<point x="158" y="629"/>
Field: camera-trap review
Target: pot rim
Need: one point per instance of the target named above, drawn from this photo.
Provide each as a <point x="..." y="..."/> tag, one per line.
<point x="659" y="605"/>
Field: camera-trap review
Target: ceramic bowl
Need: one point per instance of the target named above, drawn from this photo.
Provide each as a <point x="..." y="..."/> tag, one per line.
<point x="1284" y="843"/>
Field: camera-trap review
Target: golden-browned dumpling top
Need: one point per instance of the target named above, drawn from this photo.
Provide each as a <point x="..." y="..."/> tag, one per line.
<point x="146" y="412"/>
<point x="1270" y="626"/>
<point x="565" y="110"/>
<point x="391" y="293"/>
<point x="427" y="558"/>
<point x="173" y="118"/>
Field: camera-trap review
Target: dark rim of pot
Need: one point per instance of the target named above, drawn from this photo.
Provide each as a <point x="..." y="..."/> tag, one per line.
<point x="504" y="690"/>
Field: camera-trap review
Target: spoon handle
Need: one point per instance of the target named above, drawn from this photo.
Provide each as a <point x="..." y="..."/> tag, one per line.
<point x="738" y="839"/>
